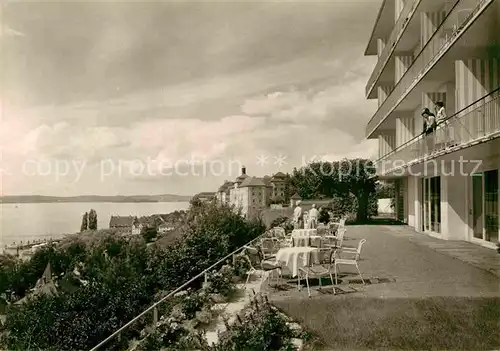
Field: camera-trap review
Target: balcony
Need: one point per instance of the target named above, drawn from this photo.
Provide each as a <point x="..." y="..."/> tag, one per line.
<point x="477" y="123"/>
<point x="400" y="26"/>
<point x="455" y="24"/>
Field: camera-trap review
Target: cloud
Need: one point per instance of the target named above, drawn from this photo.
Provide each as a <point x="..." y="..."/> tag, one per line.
<point x="10" y="32"/>
<point x="218" y="84"/>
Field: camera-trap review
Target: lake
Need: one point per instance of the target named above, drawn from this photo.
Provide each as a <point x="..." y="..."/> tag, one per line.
<point x="44" y="220"/>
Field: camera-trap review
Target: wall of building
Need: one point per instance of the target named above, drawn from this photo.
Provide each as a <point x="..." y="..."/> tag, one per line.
<point x="386" y="143"/>
<point x="382" y="92"/>
<point x="403" y="62"/>
<point x="429" y="23"/>
<point x="429" y="100"/>
<point x="413" y="201"/>
<point x="453" y="207"/>
<point x="405" y="128"/>
<point x="474" y="79"/>
<point x="384" y="206"/>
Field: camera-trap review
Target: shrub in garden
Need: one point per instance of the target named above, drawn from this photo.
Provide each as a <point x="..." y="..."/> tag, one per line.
<point x="221" y="282"/>
<point x="240" y="267"/>
<point x="124" y="277"/>
<point x="278" y="221"/>
<point x="213" y="232"/>
<point x="260" y="328"/>
<point x="149" y="233"/>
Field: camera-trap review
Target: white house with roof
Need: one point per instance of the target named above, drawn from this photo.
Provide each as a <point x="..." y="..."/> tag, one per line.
<point x="252" y="194"/>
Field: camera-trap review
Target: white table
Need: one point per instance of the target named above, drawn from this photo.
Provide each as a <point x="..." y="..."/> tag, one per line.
<point x="304" y="232"/>
<point x="296" y="257"/>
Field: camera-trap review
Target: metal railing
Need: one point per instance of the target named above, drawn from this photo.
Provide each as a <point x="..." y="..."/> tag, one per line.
<point x="396" y="34"/>
<point x="479" y="120"/>
<point x="153" y="309"/>
<point x="448" y="32"/>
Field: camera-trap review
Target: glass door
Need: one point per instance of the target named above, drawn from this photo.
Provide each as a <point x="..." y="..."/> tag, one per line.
<point x="477" y="205"/>
<point x="485" y="209"/>
<point x="431" y="204"/>
<point x="491" y="206"/>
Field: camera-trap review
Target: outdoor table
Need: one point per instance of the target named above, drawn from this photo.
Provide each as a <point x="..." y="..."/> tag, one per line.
<point x="304" y="241"/>
<point x="297" y="257"/>
<point x="304" y="232"/>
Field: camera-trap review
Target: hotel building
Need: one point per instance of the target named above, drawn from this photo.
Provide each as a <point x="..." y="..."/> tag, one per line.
<point x="429" y="51"/>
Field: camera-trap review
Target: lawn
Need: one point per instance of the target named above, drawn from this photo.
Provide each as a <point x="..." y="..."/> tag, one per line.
<point x="444" y="323"/>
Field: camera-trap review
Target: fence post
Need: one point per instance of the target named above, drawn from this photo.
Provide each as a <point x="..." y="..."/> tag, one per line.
<point x="206" y="278"/>
<point x="155" y="317"/>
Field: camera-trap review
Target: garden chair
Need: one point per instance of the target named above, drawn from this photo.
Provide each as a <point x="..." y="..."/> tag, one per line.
<point x="335" y="241"/>
<point x="353" y="261"/>
<point x="319" y="270"/>
<point x="264" y="264"/>
<point x="269" y="247"/>
<point x="279" y="235"/>
<point x="354" y="250"/>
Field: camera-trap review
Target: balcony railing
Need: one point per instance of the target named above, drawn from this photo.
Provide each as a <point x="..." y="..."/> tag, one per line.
<point x="397" y="31"/>
<point x="448" y="32"/>
<point x="477" y="122"/>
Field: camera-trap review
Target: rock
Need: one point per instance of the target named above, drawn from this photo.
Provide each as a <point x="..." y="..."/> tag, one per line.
<point x="218" y="298"/>
<point x="298" y="343"/>
<point x="295" y="327"/>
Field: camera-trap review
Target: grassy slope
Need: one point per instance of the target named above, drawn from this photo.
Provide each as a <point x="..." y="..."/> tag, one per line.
<point x="430" y="323"/>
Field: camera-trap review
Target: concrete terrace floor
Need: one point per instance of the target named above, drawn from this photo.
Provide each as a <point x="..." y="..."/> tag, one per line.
<point x="410" y="265"/>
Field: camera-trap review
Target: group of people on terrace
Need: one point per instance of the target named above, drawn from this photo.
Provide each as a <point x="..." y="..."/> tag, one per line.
<point x="305" y="219"/>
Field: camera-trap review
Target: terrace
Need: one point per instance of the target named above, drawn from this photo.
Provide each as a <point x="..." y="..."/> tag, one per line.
<point x="450" y="290"/>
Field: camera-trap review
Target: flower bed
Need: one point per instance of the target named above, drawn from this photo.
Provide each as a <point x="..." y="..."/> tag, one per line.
<point x="258" y="326"/>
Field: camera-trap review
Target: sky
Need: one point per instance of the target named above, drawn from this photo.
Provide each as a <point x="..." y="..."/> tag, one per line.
<point x="127" y="98"/>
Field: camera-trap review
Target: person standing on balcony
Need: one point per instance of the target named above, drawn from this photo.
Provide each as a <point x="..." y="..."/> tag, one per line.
<point x="429" y="128"/>
<point x="441" y="118"/>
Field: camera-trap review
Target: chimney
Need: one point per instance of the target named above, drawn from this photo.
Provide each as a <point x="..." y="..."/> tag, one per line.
<point x="243" y="170"/>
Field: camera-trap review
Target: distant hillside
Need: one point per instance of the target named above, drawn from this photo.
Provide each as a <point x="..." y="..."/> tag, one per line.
<point x="93" y="198"/>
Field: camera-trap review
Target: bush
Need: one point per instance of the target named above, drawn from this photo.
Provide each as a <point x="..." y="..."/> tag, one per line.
<point x="149" y="233"/>
<point x="123" y="277"/>
<point x="221" y="282"/>
<point x="213" y="232"/>
<point x="240" y="267"/>
<point x="347" y="206"/>
<point x="260" y="328"/>
<point x="283" y="222"/>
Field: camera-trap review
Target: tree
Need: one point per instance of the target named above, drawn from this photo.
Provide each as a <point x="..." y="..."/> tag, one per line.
<point x="93" y="220"/>
<point x="349" y="182"/>
<point x="149" y="232"/>
<point x="358" y="177"/>
<point x="85" y="222"/>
